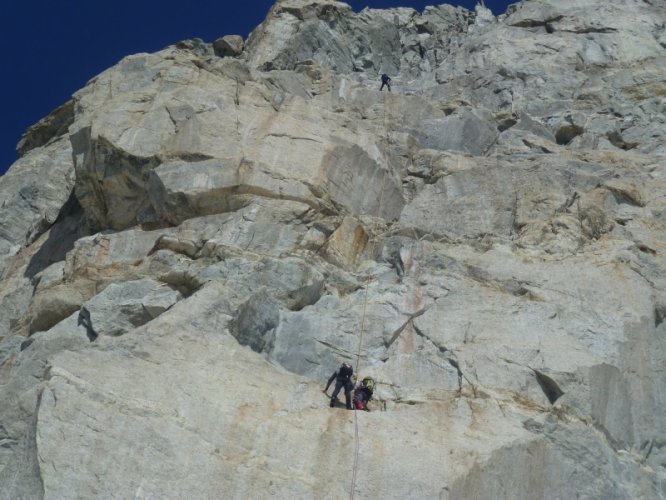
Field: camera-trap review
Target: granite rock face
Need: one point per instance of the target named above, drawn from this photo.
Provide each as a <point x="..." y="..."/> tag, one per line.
<point x="229" y="45"/>
<point x="194" y="243"/>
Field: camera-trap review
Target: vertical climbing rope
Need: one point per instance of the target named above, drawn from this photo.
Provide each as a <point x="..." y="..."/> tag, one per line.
<point x="360" y="336"/>
<point x="379" y="210"/>
<point x="355" y="467"/>
<point x="365" y="305"/>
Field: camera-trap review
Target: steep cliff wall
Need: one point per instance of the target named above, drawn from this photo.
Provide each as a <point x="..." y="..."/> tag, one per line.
<point x="193" y="244"/>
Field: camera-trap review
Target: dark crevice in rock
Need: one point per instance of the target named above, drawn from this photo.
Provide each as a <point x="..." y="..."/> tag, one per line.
<point x="8" y="444"/>
<point x="616" y="140"/>
<point x="426" y="176"/>
<point x="298" y="299"/>
<point x="343" y="353"/>
<point x="590" y="29"/>
<point x="410" y="402"/>
<point x="32" y="434"/>
<point x="256" y="321"/>
<point x="513" y="286"/>
<point x="646" y="249"/>
<point x="69" y="208"/>
<point x="402" y="327"/>
<point x="515" y="225"/>
<point x="548" y="25"/>
<point x="539" y="147"/>
<point x="455" y="365"/>
<point x="612" y="442"/>
<point x="649" y="278"/>
<point x="399" y="266"/>
<point x="66" y="230"/>
<point x="548" y="386"/>
<point x="188" y="248"/>
<point x="421" y="333"/>
<point x="186" y="156"/>
<point x="451" y="360"/>
<point x="568" y="203"/>
<point x="26" y="343"/>
<point x="659" y="315"/>
<point x="566" y="134"/>
<point x="537" y="23"/>
<point x="506" y="123"/>
<point x="182" y="281"/>
<point x="646" y="448"/>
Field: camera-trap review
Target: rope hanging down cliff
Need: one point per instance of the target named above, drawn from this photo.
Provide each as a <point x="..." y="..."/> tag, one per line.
<point x="372" y="240"/>
<point x="365" y="299"/>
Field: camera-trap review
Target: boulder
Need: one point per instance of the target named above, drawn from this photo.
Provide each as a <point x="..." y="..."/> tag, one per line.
<point x="229" y="46"/>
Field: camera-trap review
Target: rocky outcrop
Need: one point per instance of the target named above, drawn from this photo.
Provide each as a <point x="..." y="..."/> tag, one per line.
<point x="229" y="46"/>
<point x="192" y="246"/>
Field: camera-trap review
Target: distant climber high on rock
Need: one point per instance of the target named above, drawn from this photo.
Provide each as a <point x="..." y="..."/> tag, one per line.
<point x="386" y="80"/>
<point x="343" y="378"/>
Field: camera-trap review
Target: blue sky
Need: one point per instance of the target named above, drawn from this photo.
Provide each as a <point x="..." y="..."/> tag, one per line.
<point x="51" y="49"/>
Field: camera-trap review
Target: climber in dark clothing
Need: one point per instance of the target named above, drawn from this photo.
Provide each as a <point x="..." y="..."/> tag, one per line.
<point x="343" y="378"/>
<point x="386" y="80"/>
<point x="84" y="319"/>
